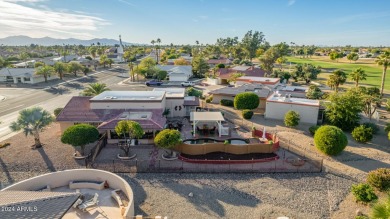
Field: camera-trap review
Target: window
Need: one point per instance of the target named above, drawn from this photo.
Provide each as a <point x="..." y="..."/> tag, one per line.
<point x="148" y="134"/>
<point x="27" y="79"/>
<point x="10" y="78"/>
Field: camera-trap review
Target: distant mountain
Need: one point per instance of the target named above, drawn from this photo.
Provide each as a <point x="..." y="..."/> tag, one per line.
<point x="48" y="41"/>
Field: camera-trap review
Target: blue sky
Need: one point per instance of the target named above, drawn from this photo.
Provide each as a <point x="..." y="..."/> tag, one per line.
<point x="319" y="22"/>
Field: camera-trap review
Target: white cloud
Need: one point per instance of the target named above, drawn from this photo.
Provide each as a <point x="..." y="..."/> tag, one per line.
<point x="16" y="19"/>
<point x="290" y="2"/>
<point x="126" y="2"/>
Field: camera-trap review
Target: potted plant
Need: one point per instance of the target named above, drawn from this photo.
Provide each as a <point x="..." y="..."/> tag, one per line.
<point x="168" y="139"/>
<point x="253" y="131"/>
<point x="226" y="142"/>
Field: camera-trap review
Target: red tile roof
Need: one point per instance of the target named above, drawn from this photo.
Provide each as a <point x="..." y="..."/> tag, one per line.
<point x="78" y="110"/>
<point x="225" y="73"/>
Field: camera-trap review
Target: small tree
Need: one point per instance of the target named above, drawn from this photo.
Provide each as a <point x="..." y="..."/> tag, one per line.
<point x="330" y="140"/>
<point x="168" y="139"/>
<point x="246" y="100"/>
<point x="336" y="79"/>
<point x="247" y="114"/>
<point x="57" y="111"/>
<point x="80" y="135"/>
<point x="46" y="71"/>
<point x="362" y="133"/>
<point x="194" y="92"/>
<point x="32" y="121"/>
<point x="358" y="75"/>
<point x="131" y="129"/>
<point x="314" y="92"/>
<point x="292" y="118"/>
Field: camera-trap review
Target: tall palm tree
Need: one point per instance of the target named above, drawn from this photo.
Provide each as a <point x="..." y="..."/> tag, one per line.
<point x="103" y="60"/>
<point x="95" y="89"/>
<point x="46" y="71"/>
<point x="381" y="210"/>
<point x="60" y="68"/>
<point x="32" y="121"/>
<point x="384" y="60"/>
<point x="358" y="75"/>
<point x="336" y="79"/>
<point x="158" y="48"/>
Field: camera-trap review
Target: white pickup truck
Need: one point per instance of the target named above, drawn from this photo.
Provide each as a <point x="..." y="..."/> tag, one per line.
<point x="187" y="84"/>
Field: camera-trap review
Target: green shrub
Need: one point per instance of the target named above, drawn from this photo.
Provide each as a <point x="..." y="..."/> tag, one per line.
<point x="363" y="192"/>
<point x="373" y="126"/>
<point x="209" y="99"/>
<point x="57" y="111"/>
<point x="313" y="129"/>
<point x="387" y="128"/>
<point x="225" y="102"/>
<point x="194" y="92"/>
<point x="330" y="140"/>
<point x="379" y="178"/>
<point x="361" y="217"/>
<point x="314" y="92"/>
<point x="247" y="114"/>
<point x="362" y="133"/>
<point x="291" y="119"/>
<point x="5" y="145"/>
<point x="246" y="100"/>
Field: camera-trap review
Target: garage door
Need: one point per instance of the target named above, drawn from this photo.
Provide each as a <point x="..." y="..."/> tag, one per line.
<point x="178" y="77"/>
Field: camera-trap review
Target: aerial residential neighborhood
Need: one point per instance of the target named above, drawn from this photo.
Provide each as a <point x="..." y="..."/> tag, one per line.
<point x="198" y="109"/>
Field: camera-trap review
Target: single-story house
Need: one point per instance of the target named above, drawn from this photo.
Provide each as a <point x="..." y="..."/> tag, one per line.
<point x="66" y="58"/>
<point x="22" y="75"/>
<point x="294" y="91"/>
<point x="26" y="64"/>
<point x="271" y="82"/>
<point x="228" y="93"/>
<point x="277" y="106"/>
<point x="214" y="62"/>
<point x="223" y="74"/>
<point x="177" y="102"/>
<point x="87" y="63"/>
<point x="108" y="108"/>
<point x="177" y="72"/>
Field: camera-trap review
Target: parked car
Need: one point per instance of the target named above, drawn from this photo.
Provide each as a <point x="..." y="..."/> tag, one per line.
<point x="187" y="84"/>
<point x="153" y="82"/>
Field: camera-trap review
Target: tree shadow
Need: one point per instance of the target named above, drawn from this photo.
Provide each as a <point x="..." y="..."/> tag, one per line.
<point x="139" y="193"/>
<point x="47" y="160"/>
<point x="360" y="162"/>
<point x="4" y="169"/>
<point x="207" y="198"/>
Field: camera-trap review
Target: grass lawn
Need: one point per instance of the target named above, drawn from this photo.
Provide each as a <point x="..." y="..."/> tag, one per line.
<point x="373" y="71"/>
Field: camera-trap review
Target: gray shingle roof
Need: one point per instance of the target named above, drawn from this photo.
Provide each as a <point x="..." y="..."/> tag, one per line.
<point x="31" y="204"/>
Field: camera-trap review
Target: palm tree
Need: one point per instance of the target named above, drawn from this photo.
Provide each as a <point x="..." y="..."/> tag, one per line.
<point x="358" y="75"/>
<point x="110" y="62"/>
<point x="46" y="71"/>
<point x="336" y="79"/>
<point x="103" y="60"/>
<point x="95" y="89"/>
<point x="381" y="210"/>
<point x="60" y="68"/>
<point x="158" y="48"/>
<point x="32" y="121"/>
<point x="384" y="60"/>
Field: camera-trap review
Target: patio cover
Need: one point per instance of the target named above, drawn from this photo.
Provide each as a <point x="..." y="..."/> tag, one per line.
<point x="207" y="117"/>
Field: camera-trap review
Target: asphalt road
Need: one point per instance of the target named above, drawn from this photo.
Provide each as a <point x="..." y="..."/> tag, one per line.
<point x="56" y="96"/>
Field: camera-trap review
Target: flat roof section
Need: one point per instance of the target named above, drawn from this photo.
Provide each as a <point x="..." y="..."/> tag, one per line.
<point x="129" y="96"/>
<point x="259" y="79"/>
<point x="172" y="92"/>
<point x="206" y="116"/>
<point x="291" y="100"/>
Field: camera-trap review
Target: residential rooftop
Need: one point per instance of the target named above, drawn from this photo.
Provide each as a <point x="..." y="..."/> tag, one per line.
<point x="259" y="89"/>
<point x="286" y="99"/>
<point x="263" y="80"/>
<point x="129" y="96"/>
<point x="172" y="92"/>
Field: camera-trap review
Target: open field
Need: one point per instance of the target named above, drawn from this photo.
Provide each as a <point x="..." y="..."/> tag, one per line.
<point x="372" y="69"/>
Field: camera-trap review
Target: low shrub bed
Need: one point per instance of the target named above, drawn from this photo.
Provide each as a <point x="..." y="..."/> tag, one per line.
<point x="225" y="102"/>
<point x="363" y="192"/>
<point x="379" y="178"/>
<point x="362" y="134"/>
<point x="247" y="114"/>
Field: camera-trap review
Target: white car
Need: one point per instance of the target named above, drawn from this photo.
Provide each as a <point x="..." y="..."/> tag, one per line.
<point x="187" y="84"/>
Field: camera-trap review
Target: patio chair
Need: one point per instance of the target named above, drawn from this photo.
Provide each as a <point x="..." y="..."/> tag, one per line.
<point x="212" y="131"/>
<point x="89" y="203"/>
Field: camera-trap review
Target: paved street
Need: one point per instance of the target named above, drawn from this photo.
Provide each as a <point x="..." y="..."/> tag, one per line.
<point x="53" y="97"/>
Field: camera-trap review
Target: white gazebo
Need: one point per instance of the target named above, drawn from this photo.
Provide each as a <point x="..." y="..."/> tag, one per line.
<point x="217" y="117"/>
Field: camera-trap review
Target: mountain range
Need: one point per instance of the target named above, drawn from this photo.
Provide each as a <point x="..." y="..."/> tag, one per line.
<point x="48" y="41"/>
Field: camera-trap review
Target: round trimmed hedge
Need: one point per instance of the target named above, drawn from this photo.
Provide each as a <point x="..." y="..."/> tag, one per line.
<point x="225" y="102"/>
<point x="292" y="118"/>
<point x="379" y="178"/>
<point x="313" y="129"/>
<point x="330" y="140"/>
<point x="246" y="100"/>
<point x="362" y="133"/>
<point x="247" y="114"/>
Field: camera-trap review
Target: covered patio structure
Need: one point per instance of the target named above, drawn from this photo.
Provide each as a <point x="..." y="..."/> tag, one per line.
<point x="206" y="118"/>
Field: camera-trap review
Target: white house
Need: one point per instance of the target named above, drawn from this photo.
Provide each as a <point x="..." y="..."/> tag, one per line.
<point x="177" y="72"/>
<point x="277" y="106"/>
<point x="177" y="102"/>
<point x="66" y="58"/>
<point x="22" y="75"/>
